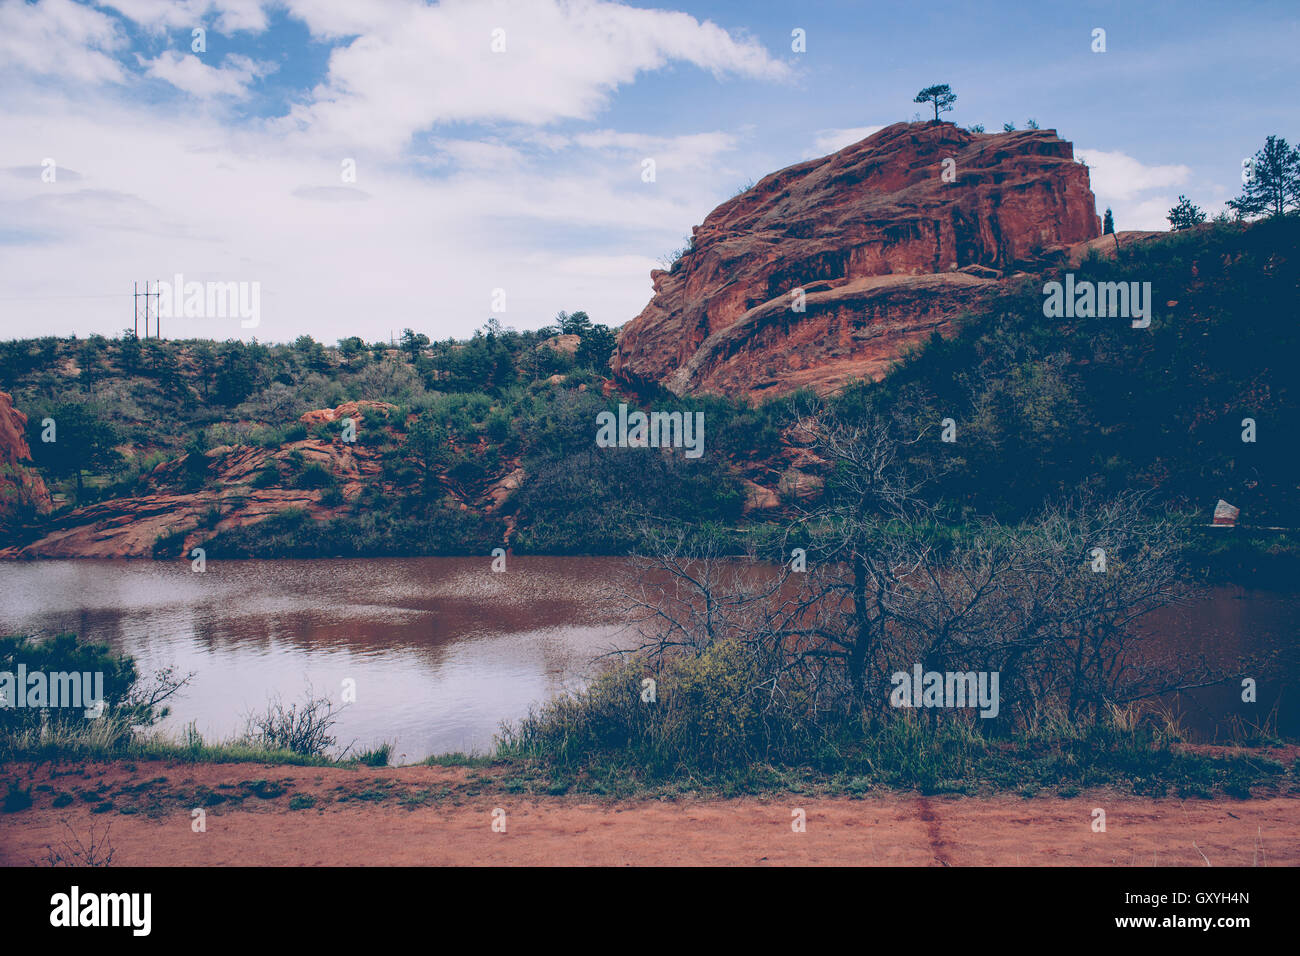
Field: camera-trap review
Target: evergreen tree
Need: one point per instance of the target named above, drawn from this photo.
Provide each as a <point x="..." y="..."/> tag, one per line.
<point x="1272" y="186"/>
<point x="1185" y="215"/>
<point x="413" y="343"/>
<point x="1108" y="223"/>
<point x="941" y="96"/>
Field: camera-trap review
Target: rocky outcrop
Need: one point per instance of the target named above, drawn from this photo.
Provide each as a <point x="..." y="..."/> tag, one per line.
<point x="22" y="490"/>
<point x="129" y="527"/>
<point x="567" y="344"/>
<point x="1108" y="246"/>
<point x="851" y="331"/>
<point x="353" y="410"/>
<point x="882" y="246"/>
<point x="231" y="495"/>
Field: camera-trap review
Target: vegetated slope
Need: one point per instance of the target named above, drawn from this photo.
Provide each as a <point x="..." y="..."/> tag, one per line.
<point x="491" y="440"/>
<point x="1042" y="404"/>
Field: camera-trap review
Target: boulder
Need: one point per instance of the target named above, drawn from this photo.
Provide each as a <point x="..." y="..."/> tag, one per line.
<point x="353" y="410"/>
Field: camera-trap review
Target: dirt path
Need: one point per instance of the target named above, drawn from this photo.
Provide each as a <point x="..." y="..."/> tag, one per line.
<point x="436" y="815"/>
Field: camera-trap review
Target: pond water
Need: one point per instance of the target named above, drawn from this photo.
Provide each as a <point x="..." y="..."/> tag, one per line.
<point x="442" y="650"/>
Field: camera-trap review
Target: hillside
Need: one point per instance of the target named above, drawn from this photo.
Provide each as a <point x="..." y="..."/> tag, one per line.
<point x="472" y="445"/>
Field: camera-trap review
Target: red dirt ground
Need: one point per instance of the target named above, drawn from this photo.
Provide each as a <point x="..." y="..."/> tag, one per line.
<point x="438" y="815"/>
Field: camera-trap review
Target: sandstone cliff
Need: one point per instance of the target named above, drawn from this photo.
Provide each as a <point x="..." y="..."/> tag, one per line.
<point x="22" y="491"/>
<point x="884" y="248"/>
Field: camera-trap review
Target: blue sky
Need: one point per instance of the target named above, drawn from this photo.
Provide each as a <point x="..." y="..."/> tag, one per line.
<point x="515" y="176"/>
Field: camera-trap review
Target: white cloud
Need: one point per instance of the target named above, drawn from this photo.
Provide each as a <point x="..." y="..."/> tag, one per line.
<point x="58" y="37"/>
<point x="670" y="153"/>
<point x="833" y="140"/>
<point x="227" y="16"/>
<point x="631" y="267"/>
<point x="572" y="228"/>
<point x="1125" y="184"/>
<point x="417" y="66"/>
<point x="560" y="218"/>
<point x="187" y="72"/>
<point x="1117" y="175"/>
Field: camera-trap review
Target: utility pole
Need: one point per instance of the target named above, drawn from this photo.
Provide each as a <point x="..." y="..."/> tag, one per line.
<point x="142" y="309"/>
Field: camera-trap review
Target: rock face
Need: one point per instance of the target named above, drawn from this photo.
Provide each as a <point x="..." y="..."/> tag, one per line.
<point x="1108" y="246"/>
<point x="129" y="527"/>
<point x="885" y="250"/>
<point x="22" y="491"/>
<point x="353" y="410"/>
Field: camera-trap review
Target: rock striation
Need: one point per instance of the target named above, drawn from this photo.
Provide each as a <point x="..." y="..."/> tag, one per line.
<point x="889" y="239"/>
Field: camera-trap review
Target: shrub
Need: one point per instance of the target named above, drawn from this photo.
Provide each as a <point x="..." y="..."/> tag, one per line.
<point x="129" y="702"/>
<point x="170" y="542"/>
<point x="315" y="475"/>
<point x="710" y="713"/>
<point x="376" y="756"/>
<point x="301" y="730"/>
<point x="266" y="477"/>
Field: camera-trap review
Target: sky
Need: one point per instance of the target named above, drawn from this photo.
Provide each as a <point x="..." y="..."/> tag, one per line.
<point x="373" y="165"/>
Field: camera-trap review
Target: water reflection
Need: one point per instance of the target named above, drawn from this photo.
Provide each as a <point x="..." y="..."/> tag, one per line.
<point x="443" y="650"/>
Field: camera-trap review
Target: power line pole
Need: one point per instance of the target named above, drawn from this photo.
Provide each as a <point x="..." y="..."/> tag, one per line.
<point x="142" y="310"/>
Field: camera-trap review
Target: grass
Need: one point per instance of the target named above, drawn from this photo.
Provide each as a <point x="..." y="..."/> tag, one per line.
<point x="560" y="752"/>
<point x="376" y="756"/>
<point x="96" y="740"/>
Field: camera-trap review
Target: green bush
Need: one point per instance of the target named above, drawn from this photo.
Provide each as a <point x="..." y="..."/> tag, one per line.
<point x="315" y="475"/>
<point x="129" y="703"/>
<point x="266" y="477"/>
<point x="710" y="713"/>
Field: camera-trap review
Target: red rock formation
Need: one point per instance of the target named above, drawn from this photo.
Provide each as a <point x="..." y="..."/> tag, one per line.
<point x="721" y="320"/>
<point x="353" y="410"/>
<point x="128" y="527"/>
<point x="21" y="488"/>
<point x="568" y="344"/>
<point x="1107" y="246"/>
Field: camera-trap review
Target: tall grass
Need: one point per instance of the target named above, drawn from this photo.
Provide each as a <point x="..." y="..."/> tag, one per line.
<point x="713" y="725"/>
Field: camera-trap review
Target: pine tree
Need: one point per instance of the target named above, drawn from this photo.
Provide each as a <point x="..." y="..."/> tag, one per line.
<point x="942" y="96"/>
<point x="1272" y="182"/>
<point x="1185" y="215"/>
<point x="1108" y="223"/>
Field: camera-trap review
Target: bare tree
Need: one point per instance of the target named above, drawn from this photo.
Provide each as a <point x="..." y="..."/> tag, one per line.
<point x="1053" y="604"/>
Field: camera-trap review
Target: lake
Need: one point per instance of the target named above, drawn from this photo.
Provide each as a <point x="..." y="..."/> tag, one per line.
<point x="443" y="650"/>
